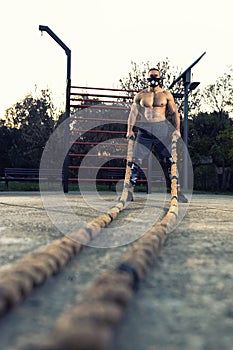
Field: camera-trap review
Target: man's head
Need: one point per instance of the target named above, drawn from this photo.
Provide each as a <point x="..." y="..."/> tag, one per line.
<point x="154" y="78"/>
<point x="154" y="71"/>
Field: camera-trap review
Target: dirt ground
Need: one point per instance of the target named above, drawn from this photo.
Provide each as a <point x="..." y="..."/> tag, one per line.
<point x="185" y="302"/>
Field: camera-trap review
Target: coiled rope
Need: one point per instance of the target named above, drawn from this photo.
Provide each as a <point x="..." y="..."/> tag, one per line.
<point x="90" y="324"/>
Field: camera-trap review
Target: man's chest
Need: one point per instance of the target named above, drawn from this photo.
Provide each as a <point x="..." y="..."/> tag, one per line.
<point x="151" y="99"/>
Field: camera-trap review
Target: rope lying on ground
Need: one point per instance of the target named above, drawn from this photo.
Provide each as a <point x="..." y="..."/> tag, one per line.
<point x="90" y="324"/>
<point x="17" y="281"/>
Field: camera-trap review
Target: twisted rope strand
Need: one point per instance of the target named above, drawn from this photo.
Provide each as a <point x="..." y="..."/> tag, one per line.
<point x="17" y="281"/>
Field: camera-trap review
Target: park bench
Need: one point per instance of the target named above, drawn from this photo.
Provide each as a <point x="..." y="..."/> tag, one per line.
<point x="50" y="175"/>
<point x="30" y="175"/>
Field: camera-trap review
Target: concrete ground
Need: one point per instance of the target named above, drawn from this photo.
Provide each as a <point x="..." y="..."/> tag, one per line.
<point x="186" y="300"/>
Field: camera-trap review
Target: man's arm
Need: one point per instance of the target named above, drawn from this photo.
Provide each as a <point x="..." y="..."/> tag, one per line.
<point x="173" y="111"/>
<point x="134" y="111"/>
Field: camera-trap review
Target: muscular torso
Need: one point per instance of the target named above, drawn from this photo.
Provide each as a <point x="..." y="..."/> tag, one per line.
<point x="152" y="105"/>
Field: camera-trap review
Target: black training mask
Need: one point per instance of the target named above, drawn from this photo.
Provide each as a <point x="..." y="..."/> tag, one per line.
<point x="154" y="81"/>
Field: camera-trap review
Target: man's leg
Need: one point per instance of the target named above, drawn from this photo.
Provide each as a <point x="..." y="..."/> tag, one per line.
<point x="163" y="147"/>
<point x="181" y="196"/>
<point x="134" y="174"/>
<point x="135" y="166"/>
<point x="141" y="150"/>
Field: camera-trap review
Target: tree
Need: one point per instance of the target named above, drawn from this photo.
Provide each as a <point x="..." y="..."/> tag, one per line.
<point x="32" y="122"/>
<point x="218" y="97"/>
<point x="6" y="142"/>
<point x="137" y="77"/>
<point x="137" y="80"/>
<point x="211" y="141"/>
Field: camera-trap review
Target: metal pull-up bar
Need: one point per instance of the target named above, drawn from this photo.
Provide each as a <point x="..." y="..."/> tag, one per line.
<point x="186" y="76"/>
<point x="188" y="86"/>
<point x="68" y="84"/>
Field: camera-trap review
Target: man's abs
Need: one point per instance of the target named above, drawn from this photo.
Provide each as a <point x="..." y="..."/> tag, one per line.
<point x="154" y="114"/>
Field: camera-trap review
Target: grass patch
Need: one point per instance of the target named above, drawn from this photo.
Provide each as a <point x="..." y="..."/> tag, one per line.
<point x="34" y="186"/>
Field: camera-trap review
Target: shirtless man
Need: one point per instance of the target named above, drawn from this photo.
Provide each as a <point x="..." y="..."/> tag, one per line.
<point x="152" y="104"/>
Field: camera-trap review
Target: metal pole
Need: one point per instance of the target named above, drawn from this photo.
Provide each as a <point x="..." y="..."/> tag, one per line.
<point x="149" y="174"/>
<point x="185" y="137"/>
<point x="67" y="114"/>
<point x="66" y="161"/>
<point x="186" y="76"/>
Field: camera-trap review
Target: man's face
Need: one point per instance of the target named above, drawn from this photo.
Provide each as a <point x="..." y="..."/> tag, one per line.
<point x="155" y="73"/>
<point x="154" y="79"/>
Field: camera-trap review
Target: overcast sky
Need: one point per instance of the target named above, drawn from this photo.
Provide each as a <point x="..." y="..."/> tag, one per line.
<point x="105" y="36"/>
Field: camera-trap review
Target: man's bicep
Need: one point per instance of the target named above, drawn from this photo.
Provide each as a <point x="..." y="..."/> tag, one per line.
<point x="172" y="108"/>
<point x="134" y="109"/>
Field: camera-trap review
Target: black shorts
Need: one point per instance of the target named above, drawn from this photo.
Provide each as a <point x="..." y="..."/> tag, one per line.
<point x="152" y="134"/>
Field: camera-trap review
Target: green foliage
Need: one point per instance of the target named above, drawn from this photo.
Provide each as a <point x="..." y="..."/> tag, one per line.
<point x="218" y="97"/>
<point x="211" y="141"/>
<point x="27" y="127"/>
<point x="137" y="80"/>
<point x="7" y="137"/>
<point x="211" y="135"/>
<point x="206" y="178"/>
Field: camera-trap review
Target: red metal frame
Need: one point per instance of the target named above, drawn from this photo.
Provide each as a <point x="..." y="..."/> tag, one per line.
<point x="99" y="131"/>
<point x="111" y="99"/>
<point x="94" y="155"/>
<point x="101" y="89"/>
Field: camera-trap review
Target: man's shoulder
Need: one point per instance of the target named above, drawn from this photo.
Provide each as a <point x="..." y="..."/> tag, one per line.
<point x="167" y="93"/>
<point x="139" y="95"/>
<point x="142" y="92"/>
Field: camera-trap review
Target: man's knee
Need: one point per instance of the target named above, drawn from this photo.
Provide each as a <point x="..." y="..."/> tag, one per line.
<point x="135" y="170"/>
<point x="137" y="160"/>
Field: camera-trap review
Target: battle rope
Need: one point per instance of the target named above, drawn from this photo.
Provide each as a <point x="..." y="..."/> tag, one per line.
<point x="126" y="187"/>
<point x="90" y="324"/>
<point x="17" y="281"/>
